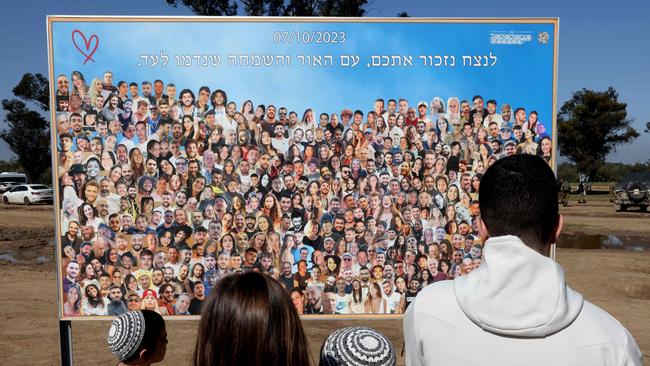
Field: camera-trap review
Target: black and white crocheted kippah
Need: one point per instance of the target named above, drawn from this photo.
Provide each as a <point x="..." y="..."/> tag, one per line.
<point x="354" y="346"/>
<point x="126" y="334"/>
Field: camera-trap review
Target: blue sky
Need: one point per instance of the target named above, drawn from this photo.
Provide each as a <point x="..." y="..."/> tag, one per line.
<point x="599" y="46"/>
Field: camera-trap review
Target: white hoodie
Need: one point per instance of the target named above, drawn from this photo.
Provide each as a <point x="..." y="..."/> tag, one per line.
<point x="515" y="309"/>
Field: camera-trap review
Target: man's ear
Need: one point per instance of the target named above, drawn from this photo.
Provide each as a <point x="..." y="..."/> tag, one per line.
<point x="558" y="230"/>
<point x="482" y="229"/>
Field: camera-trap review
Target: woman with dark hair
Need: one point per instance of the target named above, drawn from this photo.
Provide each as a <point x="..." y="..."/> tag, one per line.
<point x="425" y="278"/>
<point x="444" y="265"/>
<point x="334" y="164"/>
<point x="111" y="258"/>
<point x="391" y="255"/>
<point x="88" y="273"/>
<point x="88" y="215"/>
<point x="167" y="169"/>
<point x="197" y="272"/>
<point x="400" y="246"/>
<point x="294" y="152"/>
<point x="146" y="185"/>
<point x="544" y="148"/>
<point x="130" y="284"/>
<point x="227" y="244"/>
<point x="229" y="169"/>
<point x="357" y="300"/>
<point x="108" y="159"/>
<point x="93" y="303"/>
<point x="72" y="304"/>
<point x="451" y="227"/>
<point x="332" y="265"/>
<point x="260" y="110"/>
<point x="197" y="188"/>
<point x="298" y="300"/>
<point x="271" y="209"/>
<point x="146" y="206"/>
<point x="476" y="183"/>
<point x="452" y="195"/>
<point x="265" y="144"/>
<point x="247" y="110"/>
<point x="533" y="125"/>
<point x="309" y="153"/>
<point x="264" y="224"/>
<point x="446" y="250"/>
<point x="249" y="319"/>
<point x="190" y="128"/>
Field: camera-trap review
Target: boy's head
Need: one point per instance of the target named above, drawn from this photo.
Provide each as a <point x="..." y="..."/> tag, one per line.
<point x="519" y="197"/>
<point x="138" y="337"/>
<point x="357" y="346"/>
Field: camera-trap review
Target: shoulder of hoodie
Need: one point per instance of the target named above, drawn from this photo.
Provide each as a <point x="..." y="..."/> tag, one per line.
<point x="596" y="326"/>
<point x="593" y="325"/>
<point x="438" y="301"/>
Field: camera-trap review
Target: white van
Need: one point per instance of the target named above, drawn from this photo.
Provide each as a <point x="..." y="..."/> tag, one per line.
<point x="10" y="179"/>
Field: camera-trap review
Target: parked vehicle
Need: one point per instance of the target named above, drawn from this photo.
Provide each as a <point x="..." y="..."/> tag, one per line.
<point x="28" y="194"/>
<point x="633" y="190"/>
<point x="9" y="179"/>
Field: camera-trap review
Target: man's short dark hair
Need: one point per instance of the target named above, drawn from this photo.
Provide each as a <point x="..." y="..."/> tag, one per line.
<point x="193" y="285"/>
<point x="519" y="197"/>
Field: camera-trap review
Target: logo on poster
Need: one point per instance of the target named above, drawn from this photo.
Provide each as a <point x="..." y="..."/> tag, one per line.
<point x="510" y="38"/>
<point x="542" y="37"/>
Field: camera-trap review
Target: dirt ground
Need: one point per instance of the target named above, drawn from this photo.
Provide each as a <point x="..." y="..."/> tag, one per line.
<point x="28" y="293"/>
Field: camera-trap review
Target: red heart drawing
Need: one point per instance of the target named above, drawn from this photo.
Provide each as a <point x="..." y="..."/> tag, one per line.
<point x="87" y="42"/>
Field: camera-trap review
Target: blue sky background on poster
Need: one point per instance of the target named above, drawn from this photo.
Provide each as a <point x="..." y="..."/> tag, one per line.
<point x="521" y="77"/>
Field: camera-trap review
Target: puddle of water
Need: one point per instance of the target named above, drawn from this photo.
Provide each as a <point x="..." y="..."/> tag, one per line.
<point x="42" y="259"/>
<point x="621" y="242"/>
<point x="8" y="258"/>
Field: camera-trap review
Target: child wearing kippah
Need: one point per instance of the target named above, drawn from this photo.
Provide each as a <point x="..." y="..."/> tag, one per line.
<point x="357" y="346"/>
<point x="138" y="338"/>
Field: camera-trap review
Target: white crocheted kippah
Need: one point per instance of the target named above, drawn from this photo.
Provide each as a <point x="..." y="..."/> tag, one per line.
<point x="126" y="334"/>
<point x="358" y="346"/>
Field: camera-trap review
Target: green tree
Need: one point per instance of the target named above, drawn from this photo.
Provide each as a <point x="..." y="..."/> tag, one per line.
<point x="338" y="8"/>
<point x="28" y="135"/>
<point x="590" y="125"/>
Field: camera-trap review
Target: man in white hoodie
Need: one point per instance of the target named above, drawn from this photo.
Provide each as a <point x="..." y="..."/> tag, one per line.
<point x="515" y="309"/>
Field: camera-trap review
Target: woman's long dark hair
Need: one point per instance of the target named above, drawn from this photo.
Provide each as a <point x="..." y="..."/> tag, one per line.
<point x="77" y="304"/>
<point x="249" y="319"/>
<point x="95" y="302"/>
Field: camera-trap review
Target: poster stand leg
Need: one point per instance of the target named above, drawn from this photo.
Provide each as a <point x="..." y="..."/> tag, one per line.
<point x="65" y="335"/>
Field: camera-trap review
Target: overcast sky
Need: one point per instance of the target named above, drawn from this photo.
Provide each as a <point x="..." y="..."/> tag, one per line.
<point x="599" y="46"/>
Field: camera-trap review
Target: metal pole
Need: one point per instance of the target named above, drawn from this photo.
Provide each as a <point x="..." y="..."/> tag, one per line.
<point x="65" y="336"/>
